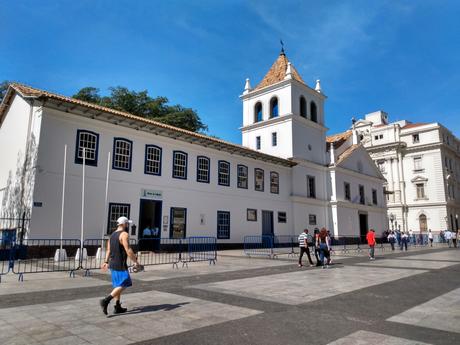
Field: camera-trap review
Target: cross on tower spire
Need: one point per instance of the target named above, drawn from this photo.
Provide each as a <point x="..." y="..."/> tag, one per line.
<point x="282" y="47"/>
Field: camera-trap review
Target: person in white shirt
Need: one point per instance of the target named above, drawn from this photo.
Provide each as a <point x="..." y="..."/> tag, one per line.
<point x="430" y="237"/>
<point x="448" y="236"/>
<point x="392" y="239"/>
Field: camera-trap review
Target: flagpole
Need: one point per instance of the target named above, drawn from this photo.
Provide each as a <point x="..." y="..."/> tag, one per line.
<point x="83" y="200"/>
<point x="104" y="225"/>
<point x="63" y="195"/>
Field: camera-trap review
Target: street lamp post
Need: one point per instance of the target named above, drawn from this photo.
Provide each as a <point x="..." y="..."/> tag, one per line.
<point x="392" y="219"/>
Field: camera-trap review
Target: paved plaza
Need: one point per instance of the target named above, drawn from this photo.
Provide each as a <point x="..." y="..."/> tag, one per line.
<point x="402" y="298"/>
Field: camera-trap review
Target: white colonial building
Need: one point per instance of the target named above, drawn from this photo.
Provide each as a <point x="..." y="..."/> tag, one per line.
<point x="286" y="176"/>
<point x="421" y="163"/>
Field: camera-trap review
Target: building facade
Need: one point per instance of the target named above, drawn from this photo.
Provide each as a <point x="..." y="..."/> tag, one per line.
<point x="286" y="176"/>
<point x="421" y="163"/>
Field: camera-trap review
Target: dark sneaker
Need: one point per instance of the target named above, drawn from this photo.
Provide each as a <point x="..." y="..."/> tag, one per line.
<point x="118" y="309"/>
<point x="104" y="304"/>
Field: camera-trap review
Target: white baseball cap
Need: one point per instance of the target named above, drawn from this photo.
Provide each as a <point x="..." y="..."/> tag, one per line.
<point x="124" y="220"/>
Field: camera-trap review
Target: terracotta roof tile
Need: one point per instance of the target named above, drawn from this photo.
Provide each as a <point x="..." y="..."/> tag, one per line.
<point x="277" y="72"/>
<point x="347" y="153"/>
<point x="338" y="139"/>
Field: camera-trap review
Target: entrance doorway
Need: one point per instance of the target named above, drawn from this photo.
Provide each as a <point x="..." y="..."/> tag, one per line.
<point x="267" y="223"/>
<point x="150" y="223"/>
<point x="422" y="223"/>
<point x="363" y="225"/>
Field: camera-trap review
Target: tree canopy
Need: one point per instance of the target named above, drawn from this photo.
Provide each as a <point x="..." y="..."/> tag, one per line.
<point x="141" y="104"/>
<point x="3" y="87"/>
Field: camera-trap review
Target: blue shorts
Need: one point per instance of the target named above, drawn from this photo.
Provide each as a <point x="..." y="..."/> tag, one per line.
<point x="121" y="279"/>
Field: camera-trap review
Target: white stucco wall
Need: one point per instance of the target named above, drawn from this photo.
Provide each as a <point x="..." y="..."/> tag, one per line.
<point x="125" y="187"/>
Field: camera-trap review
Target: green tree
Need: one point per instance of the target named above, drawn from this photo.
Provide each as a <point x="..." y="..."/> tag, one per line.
<point x="3" y="87"/>
<point x="141" y="104"/>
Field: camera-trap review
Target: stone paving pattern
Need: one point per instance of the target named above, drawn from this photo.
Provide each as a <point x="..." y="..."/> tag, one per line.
<point x="402" y="298"/>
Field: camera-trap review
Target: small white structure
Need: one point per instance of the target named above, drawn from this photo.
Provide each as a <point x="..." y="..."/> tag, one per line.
<point x="421" y="163"/>
<point x="174" y="183"/>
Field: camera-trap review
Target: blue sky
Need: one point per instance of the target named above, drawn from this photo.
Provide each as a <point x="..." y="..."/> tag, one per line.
<point x="399" y="56"/>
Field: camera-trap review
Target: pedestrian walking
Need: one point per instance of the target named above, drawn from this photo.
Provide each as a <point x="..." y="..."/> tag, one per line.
<point x="392" y="239"/>
<point x="316" y="244"/>
<point x="370" y="237"/>
<point x="324" y="248"/>
<point x="118" y="251"/>
<point x="304" y="243"/>
<point x="454" y="238"/>
<point x="448" y="236"/>
<point x="404" y="240"/>
<point x="430" y="237"/>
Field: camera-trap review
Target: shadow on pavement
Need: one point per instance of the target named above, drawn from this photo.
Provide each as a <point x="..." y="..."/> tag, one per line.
<point x="152" y="308"/>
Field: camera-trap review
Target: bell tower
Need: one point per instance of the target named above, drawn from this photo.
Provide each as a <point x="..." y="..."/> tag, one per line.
<point x="283" y="116"/>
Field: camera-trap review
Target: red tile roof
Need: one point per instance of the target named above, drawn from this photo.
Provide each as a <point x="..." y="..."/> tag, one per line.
<point x="277" y="72"/>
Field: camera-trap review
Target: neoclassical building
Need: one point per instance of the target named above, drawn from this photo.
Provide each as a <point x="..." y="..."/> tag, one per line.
<point x="421" y="163"/>
<point x="284" y="177"/>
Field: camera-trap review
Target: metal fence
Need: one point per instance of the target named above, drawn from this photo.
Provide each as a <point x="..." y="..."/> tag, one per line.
<point x="258" y="246"/>
<point x="70" y="255"/>
<point x="273" y="246"/>
<point x="42" y="255"/>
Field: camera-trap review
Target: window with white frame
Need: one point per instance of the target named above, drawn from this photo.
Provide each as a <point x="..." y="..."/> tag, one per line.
<point x="122" y="154"/>
<point x="418" y="163"/>
<point x="152" y="160"/>
<point x="415" y="138"/>
<point x="179" y="165"/>
<point x="274" y="182"/>
<point x="224" y="173"/>
<point x="274" y="139"/>
<point x="242" y="176"/>
<point x="90" y="142"/>
<point x="202" y="169"/>
<point x="258" y="144"/>
<point x="116" y="210"/>
<point x="259" y="180"/>
<point x="223" y="224"/>
<point x="420" y="187"/>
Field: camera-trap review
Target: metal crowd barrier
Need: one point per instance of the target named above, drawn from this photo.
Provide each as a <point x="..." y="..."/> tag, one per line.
<point x="70" y="255"/>
<point x="258" y="246"/>
<point x="94" y="251"/>
<point x="202" y="249"/>
<point x="39" y="256"/>
<point x="6" y="257"/>
<point x="155" y="251"/>
<point x="285" y="244"/>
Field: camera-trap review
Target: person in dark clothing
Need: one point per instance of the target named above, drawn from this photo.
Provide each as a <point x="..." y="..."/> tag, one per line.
<point x="118" y="251"/>
<point x="304" y="242"/>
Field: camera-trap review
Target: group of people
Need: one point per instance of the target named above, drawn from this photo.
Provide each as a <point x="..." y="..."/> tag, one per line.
<point x="320" y="244"/>
<point x="450" y="237"/>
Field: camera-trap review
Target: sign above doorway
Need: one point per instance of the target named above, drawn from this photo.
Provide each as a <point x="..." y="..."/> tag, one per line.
<point x="151" y="194"/>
